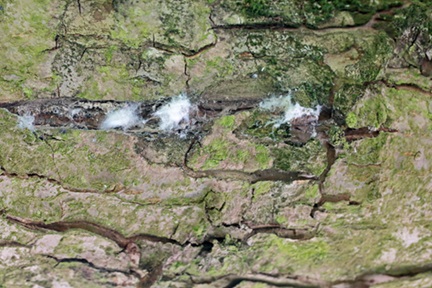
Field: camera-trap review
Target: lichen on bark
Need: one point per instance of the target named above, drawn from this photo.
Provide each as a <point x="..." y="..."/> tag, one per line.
<point x="235" y="200"/>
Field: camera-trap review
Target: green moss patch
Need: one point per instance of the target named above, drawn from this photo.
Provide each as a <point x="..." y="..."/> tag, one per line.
<point x="28" y="31"/>
<point x="310" y="158"/>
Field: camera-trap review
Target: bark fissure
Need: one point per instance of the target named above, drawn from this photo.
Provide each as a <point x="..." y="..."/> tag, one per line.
<point x="251" y="177"/>
<point x="5" y="243"/>
<point x="186" y="52"/>
<point x="283" y="232"/>
<point x="79" y="7"/>
<point x="55" y="181"/>
<point x="84" y="261"/>
<point x="279" y="280"/>
<point x="369" y="279"/>
<point x="232" y="280"/>
<point x="285" y="26"/>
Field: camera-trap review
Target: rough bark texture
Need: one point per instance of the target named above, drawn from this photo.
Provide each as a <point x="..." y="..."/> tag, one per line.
<point x="341" y="200"/>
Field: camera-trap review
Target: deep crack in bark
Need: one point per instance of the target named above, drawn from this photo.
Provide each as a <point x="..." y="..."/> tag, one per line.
<point x="282" y="232"/>
<point x="114" y="189"/>
<point x="186" y="52"/>
<point x="79" y="7"/>
<point x="232" y="280"/>
<point x="286" y="26"/>
<point x="92" y="265"/>
<point x="5" y="243"/>
<point x="251" y="177"/>
<point x="364" y="280"/>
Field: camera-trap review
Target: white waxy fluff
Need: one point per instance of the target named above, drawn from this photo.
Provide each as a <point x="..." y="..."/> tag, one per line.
<point x="26" y="122"/>
<point x="291" y="111"/>
<point x="296" y="111"/>
<point x="125" y="118"/>
<point x="174" y="113"/>
<point x="276" y="103"/>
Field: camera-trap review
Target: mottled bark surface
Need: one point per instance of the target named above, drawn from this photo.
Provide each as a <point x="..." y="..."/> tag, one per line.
<point x="233" y="197"/>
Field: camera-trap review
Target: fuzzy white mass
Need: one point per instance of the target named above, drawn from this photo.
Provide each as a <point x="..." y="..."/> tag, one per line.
<point x="125" y="118"/>
<point x="174" y="113"/>
<point x="291" y="111"/>
<point x="26" y="122"/>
